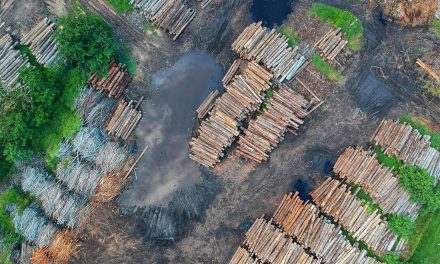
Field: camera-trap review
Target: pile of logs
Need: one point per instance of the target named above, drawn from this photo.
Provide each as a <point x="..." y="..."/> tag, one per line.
<point x="242" y="256"/>
<point x="260" y="44"/>
<point x="11" y="61"/>
<point x="207" y="104"/>
<point x="284" y="110"/>
<point x="335" y="199"/>
<point x="115" y="83"/>
<point x="231" y="72"/>
<point x="428" y="69"/>
<point x="80" y="178"/>
<point x="271" y="245"/>
<point x="204" y="3"/>
<point x="241" y="98"/>
<point x="124" y="119"/>
<point x="172" y="16"/>
<point x="303" y="221"/>
<point x="41" y="43"/>
<point x="407" y="144"/>
<point x="5" y="7"/>
<point x="361" y="167"/>
<point x="331" y="44"/>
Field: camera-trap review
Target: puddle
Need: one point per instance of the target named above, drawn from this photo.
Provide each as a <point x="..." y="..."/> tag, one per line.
<point x="165" y="128"/>
<point x="303" y="189"/>
<point x="271" y="12"/>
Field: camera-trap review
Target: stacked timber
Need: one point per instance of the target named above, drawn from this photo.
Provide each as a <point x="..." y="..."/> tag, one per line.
<point x="361" y="167"/>
<point x="331" y="44"/>
<point x="5" y="7"/>
<point x="266" y="46"/>
<point x="335" y="199"/>
<point x="40" y="41"/>
<point x="242" y="256"/>
<point x="204" y="3"/>
<point x="241" y="98"/>
<point x="428" y="69"/>
<point x="115" y="83"/>
<point x="407" y="144"/>
<point x="207" y="104"/>
<point x="303" y="221"/>
<point x="65" y="208"/>
<point x="80" y="178"/>
<point x="285" y="109"/>
<point x="173" y="16"/>
<point x="231" y="72"/>
<point x="11" y="61"/>
<point x="34" y="226"/>
<point x="124" y="119"/>
<point x="271" y="245"/>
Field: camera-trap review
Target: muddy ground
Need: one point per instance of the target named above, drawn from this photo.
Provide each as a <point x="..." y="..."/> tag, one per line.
<point x="380" y="81"/>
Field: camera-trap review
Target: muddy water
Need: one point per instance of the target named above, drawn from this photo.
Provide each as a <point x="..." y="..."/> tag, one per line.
<point x="165" y="128"/>
<point x="271" y="12"/>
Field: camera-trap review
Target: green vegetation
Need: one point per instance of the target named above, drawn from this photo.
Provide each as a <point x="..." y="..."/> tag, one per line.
<point x="25" y="50"/>
<point x="85" y="41"/>
<point x="403" y="226"/>
<point x="387" y="161"/>
<point x="121" y="6"/>
<point x="338" y="18"/>
<point x="423" y="129"/>
<point x="435" y="26"/>
<point x="7" y="198"/>
<point x="326" y="69"/>
<point x="366" y="198"/>
<point x="432" y="88"/>
<point x="289" y="32"/>
<point x="427" y="250"/>
<point x="125" y="56"/>
<point x="391" y="259"/>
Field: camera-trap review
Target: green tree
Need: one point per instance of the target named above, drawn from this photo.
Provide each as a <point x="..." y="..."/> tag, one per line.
<point x="85" y="40"/>
<point x="403" y="226"/>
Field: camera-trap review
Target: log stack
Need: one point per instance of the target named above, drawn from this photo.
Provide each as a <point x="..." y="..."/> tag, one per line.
<point x="242" y="256"/>
<point x="5" y="7"/>
<point x="124" y="119"/>
<point x="204" y="3"/>
<point x="407" y="144"/>
<point x="271" y="245"/>
<point x="173" y="16"/>
<point x="428" y="69"/>
<point x="285" y="109"/>
<point x="241" y="98"/>
<point x="331" y="44"/>
<point x="303" y="221"/>
<point x="358" y="166"/>
<point x="11" y="61"/>
<point x="207" y="104"/>
<point x="40" y="41"/>
<point x="336" y="200"/>
<point x="115" y="83"/>
<point x="266" y="46"/>
<point x="231" y="72"/>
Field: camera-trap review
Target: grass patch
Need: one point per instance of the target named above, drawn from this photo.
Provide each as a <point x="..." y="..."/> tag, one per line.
<point x="289" y="32"/>
<point x="427" y="247"/>
<point x="435" y="26"/>
<point x="366" y="198"/>
<point x="338" y="18"/>
<point x="423" y="129"/>
<point x="432" y="88"/>
<point x="125" y="56"/>
<point x="326" y="69"/>
<point x="387" y="161"/>
<point x="121" y="6"/>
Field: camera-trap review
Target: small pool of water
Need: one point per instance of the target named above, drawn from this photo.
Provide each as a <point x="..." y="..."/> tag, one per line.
<point x="271" y="12"/>
<point x="165" y="127"/>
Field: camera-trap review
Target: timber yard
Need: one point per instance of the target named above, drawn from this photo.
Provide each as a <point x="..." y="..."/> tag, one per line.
<point x="219" y="131"/>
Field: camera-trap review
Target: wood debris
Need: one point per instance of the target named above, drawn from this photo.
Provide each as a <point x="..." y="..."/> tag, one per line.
<point x="115" y="83"/>
<point x="312" y="230"/>
<point x="124" y="119"/>
<point x="173" y="16"/>
<point x="407" y="144"/>
<point x="241" y="98"/>
<point x="11" y="61"/>
<point x="361" y="167"/>
<point x="285" y="109"/>
<point x="40" y="41"/>
<point x="207" y="104"/>
<point x="331" y="44"/>
<point x="204" y="3"/>
<point x="429" y="70"/>
<point x="336" y="200"/>
<point x="266" y="46"/>
<point x="271" y="245"/>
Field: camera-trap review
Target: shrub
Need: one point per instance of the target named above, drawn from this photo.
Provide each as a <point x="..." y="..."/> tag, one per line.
<point x="349" y="24"/>
<point x="432" y="88"/>
<point x="121" y="6"/>
<point x="289" y="32"/>
<point x="435" y="26"/>
<point x="387" y="161"/>
<point x="391" y="259"/>
<point x="326" y="68"/>
<point x="424" y="130"/>
<point x="402" y="226"/>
